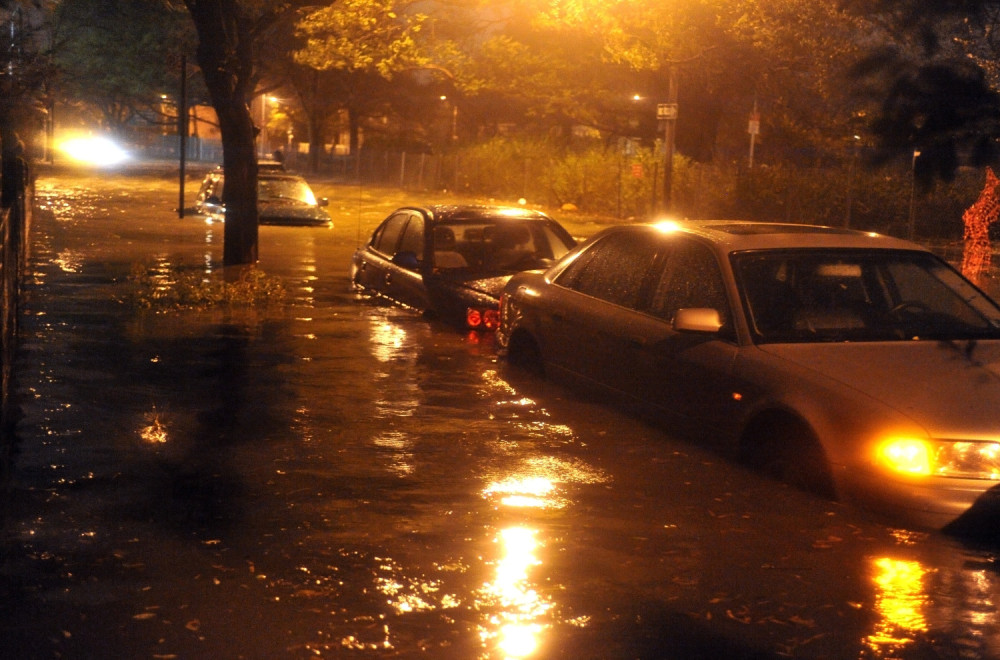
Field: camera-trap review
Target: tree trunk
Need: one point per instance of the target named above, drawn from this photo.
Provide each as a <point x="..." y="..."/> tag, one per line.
<point x="317" y="141"/>
<point x="354" y="126"/>
<point x="225" y="54"/>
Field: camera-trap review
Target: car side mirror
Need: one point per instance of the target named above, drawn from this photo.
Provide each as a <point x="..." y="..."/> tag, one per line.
<point x="697" y="319"/>
<point x="407" y="260"/>
<point x="323" y="201"/>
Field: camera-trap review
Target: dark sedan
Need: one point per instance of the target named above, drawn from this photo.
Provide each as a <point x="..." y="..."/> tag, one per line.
<point x="282" y="199"/>
<point x="852" y="364"/>
<point x="452" y="261"/>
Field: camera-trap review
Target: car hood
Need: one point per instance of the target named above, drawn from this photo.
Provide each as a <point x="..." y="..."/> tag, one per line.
<point x="950" y="388"/>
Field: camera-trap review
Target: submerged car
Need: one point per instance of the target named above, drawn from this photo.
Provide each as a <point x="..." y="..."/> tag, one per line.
<point x="282" y="199"/>
<point x="855" y="365"/>
<point x="451" y="262"/>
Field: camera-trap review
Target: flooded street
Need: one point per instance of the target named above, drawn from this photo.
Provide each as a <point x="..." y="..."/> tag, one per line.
<point x="338" y="479"/>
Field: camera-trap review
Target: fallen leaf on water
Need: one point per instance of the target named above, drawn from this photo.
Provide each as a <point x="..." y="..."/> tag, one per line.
<point x="827" y="542"/>
<point x="194" y="625"/>
<point x="743" y="618"/>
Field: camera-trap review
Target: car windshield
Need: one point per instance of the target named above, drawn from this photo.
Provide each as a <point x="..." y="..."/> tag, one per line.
<point x="285" y="189"/>
<point x="498" y="246"/>
<point x="813" y="295"/>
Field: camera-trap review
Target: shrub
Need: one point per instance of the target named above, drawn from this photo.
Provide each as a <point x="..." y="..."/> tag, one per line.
<point x="194" y="289"/>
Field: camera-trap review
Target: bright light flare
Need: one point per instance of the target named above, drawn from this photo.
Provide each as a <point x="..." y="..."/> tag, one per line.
<point x="942" y="458"/>
<point x="667" y="226"/>
<point x="907" y="455"/>
<point x="95" y="150"/>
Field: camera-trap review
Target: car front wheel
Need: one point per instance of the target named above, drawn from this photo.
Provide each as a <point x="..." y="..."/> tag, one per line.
<point x="786" y="449"/>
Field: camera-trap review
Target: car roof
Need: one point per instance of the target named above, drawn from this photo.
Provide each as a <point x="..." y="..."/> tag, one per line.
<point x="266" y="174"/>
<point x="440" y="213"/>
<point x="742" y="235"/>
<point x="262" y="166"/>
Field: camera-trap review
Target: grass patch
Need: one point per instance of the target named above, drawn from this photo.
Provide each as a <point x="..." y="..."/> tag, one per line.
<point x="164" y="290"/>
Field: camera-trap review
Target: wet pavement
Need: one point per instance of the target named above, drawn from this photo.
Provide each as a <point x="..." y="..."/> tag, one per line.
<point x="338" y="479"/>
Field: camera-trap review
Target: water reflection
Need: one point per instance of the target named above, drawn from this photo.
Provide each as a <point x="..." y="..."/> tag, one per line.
<point x="900" y="603"/>
<point x="519" y="613"/>
<point x="69" y="261"/>
<point x="398" y="445"/>
<point x="387" y="341"/>
<point x="919" y="607"/>
<point x="155" y="430"/>
<point x="515" y="626"/>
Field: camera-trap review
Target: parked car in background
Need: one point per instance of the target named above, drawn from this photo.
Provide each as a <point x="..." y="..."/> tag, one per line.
<point x="452" y="261"/>
<point x="852" y="364"/>
<point x="282" y="198"/>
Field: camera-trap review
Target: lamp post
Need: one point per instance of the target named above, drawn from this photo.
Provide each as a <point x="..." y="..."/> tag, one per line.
<point x="913" y="193"/>
<point x="454" y="116"/>
<point x="850" y="179"/>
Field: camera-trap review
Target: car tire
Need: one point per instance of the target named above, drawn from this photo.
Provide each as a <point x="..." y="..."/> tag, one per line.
<point x="523" y="352"/>
<point x="785" y="449"/>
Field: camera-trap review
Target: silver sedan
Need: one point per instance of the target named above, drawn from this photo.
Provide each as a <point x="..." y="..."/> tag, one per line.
<point x="855" y="365"/>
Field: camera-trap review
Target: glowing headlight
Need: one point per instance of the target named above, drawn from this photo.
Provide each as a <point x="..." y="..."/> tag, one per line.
<point x="906" y="455"/>
<point x="968" y="460"/>
<point x="95" y="150"/>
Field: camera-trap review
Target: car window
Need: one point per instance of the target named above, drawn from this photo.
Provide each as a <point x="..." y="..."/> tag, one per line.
<point x="860" y="295"/>
<point x="386" y="237"/>
<point x="499" y="245"/>
<point x="552" y="244"/>
<point x="413" y="237"/>
<point x="285" y="188"/>
<point x="691" y="278"/>
<point x="614" y="268"/>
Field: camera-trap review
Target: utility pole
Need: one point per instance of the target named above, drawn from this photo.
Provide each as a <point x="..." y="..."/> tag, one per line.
<point x="667" y="113"/>
<point x="182" y="131"/>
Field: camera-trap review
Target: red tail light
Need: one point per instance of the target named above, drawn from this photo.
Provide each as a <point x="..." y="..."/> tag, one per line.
<point x="491" y="319"/>
<point x="482" y="319"/>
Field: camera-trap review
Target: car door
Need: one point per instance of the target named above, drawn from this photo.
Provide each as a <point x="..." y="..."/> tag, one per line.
<point x="404" y="279"/>
<point x="689" y="375"/>
<point x="592" y="320"/>
<point x="374" y="266"/>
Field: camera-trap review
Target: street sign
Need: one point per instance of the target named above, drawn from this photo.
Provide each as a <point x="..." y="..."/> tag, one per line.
<point x="754" y="126"/>
<point x="666" y="111"/>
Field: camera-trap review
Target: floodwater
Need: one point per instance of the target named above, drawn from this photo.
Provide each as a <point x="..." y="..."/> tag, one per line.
<point x="333" y="478"/>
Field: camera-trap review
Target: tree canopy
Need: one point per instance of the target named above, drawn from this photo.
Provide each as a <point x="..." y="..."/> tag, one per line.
<point x="906" y="76"/>
<point x="108" y="69"/>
